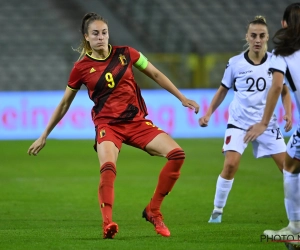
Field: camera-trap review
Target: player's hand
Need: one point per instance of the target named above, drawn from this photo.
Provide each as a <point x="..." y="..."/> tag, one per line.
<point x="254" y="131"/>
<point x="288" y="123"/>
<point x="36" y="146"/>
<point x="203" y="121"/>
<point x="191" y="104"/>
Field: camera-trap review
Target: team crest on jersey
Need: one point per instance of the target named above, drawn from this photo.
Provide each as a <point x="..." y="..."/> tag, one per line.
<point x="122" y="60"/>
<point x="102" y="133"/>
<point x="228" y="138"/>
<point x="92" y="70"/>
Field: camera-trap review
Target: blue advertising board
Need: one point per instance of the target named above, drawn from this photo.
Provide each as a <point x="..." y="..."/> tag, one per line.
<point x="24" y="115"/>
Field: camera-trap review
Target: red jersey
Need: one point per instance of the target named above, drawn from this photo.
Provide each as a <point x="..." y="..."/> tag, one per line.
<point x="111" y="85"/>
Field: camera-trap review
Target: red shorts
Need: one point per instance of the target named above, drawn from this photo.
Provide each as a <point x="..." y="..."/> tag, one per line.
<point x="134" y="133"/>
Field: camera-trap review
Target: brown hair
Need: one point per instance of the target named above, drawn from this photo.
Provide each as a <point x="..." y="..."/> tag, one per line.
<point x="88" y="18"/>
<point x="287" y="40"/>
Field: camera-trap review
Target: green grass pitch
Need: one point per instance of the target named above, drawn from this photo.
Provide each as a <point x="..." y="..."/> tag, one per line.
<point x="50" y="201"/>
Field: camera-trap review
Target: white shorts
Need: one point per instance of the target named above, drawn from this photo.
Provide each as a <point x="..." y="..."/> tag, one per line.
<point x="269" y="143"/>
<point x="293" y="146"/>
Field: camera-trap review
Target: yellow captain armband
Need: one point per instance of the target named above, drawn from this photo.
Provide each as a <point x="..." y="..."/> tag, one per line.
<point x="142" y="63"/>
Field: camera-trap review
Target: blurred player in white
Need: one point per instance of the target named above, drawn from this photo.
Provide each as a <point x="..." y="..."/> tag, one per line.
<point x="285" y="65"/>
<point x="249" y="76"/>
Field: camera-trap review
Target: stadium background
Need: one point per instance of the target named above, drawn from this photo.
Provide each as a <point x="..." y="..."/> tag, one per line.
<point x="43" y="204"/>
<point x="190" y="41"/>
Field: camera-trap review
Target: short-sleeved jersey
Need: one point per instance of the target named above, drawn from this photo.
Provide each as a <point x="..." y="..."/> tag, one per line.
<point x="111" y="85"/>
<point x="289" y="66"/>
<point x="250" y="83"/>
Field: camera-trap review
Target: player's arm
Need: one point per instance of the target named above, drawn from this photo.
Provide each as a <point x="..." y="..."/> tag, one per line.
<point x="272" y="97"/>
<point x="57" y="115"/>
<point x="287" y="104"/>
<point x="215" y="103"/>
<point x="217" y="99"/>
<point x="60" y="110"/>
<point x="148" y="69"/>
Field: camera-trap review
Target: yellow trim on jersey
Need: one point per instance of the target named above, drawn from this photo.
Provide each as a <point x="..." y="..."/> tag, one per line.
<point x="142" y="63"/>
<point x="72" y="89"/>
<point x="102" y="59"/>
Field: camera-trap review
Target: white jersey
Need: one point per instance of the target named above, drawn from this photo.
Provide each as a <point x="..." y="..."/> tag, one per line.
<point x="251" y="84"/>
<point x="289" y="66"/>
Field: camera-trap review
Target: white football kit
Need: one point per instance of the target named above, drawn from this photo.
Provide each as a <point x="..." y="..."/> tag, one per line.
<point x="289" y="66"/>
<point x="251" y="84"/>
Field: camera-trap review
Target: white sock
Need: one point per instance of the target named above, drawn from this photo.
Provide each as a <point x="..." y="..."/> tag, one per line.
<point x="292" y="197"/>
<point x="223" y="188"/>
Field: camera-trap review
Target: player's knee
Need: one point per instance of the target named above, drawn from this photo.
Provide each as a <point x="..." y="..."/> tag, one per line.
<point x="229" y="170"/>
<point x="230" y="165"/>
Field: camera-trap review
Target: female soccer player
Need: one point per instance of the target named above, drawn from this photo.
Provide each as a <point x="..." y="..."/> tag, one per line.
<point x="249" y="76"/>
<point x="119" y="116"/>
<point x="285" y="65"/>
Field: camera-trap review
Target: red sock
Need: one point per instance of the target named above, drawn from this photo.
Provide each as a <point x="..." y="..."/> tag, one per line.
<point x="167" y="178"/>
<point x="106" y="190"/>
